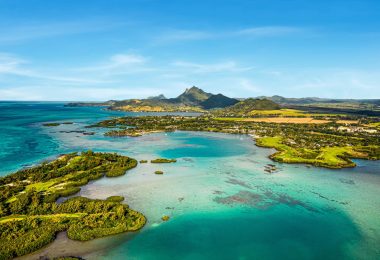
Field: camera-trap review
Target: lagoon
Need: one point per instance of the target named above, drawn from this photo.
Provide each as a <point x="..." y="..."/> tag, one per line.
<point x="221" y="201"/>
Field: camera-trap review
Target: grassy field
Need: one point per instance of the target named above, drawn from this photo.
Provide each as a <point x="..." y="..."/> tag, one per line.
<point x="289" y="113"/>
<point x="278" y="120"/>
<point x="348" y="122"/>
<point x="376" y="125"/>
<point x="42" y="186"/>
<point x="279" y="112"/>
<point x="330" y="157"/>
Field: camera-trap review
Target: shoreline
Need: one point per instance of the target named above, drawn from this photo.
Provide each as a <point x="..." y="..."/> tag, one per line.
<point x="317" y="145"/>
<point x="274" y="157"/>
<point x="54" y="217"/>
<point x="124" y="233"/>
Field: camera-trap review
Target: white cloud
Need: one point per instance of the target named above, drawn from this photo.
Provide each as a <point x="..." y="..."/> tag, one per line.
<point x="123" y="59"/>
<point x="123" y="76"/>
<point x="22" y="94"/>
<point x="321" y="82"/>
<point x="25" y="32"/>
<point x="38" y="93"/>
<point x="117" y="62"/>
<point x="11" y="65"/>
<point x="249" y="86"/>
<point x="268" y="31"/>
<point x="175" y="35"/>
<point x="117" y="65"/>
<point x="228" y="66"/>
<point x="344" y="83"/>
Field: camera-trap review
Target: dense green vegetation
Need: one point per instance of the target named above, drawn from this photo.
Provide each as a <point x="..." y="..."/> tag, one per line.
<point x="192" y="96"/>
<point x="247" y="106"/>
<point x="218" y="101"/>
<point x="331" y="157"/>
<point x="30" y="217"/>
<point x="163" y="160"/>
<point x="115" y="198"/>
<point x="165" y="218"/>
<point x="153" y="105"/>
<point x="51" y="124"/>
<point x="331" y="144"/>
<point x="68" y="258"/>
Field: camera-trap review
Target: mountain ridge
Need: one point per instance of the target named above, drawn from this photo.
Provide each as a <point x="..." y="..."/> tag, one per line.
<point x="195" y="99"/>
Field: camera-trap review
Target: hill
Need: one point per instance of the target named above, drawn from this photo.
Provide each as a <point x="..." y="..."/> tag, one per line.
<point x="159" y="97"/>
<point x="191" y="100"/>
<point x="153" y="105"/>
<point x="364" y="103"/>
<point x="218" y="101"/>
<point x="368" y="107"/>
<point x="248" y="105"/>
<point x="192" y="96"/>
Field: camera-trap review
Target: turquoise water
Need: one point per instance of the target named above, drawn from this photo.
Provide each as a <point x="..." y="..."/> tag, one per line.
<point x="221" y="202"/>
<point x="277" y="233"/>
<point x="25" y="142"/>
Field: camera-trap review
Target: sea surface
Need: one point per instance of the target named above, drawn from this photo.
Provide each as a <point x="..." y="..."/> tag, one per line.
<point x="221" y="202"/>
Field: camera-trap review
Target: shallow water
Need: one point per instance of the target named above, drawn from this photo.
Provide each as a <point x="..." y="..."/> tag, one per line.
<point x="221" y="202"/>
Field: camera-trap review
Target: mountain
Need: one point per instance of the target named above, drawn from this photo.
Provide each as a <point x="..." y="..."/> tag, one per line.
<point x="284" y="100"/>
<point x="91" y="104"/>
<point x="192" y="96"/>
<point x="218" y="101"/>
<point x="248" y="105"/>
<point x="153" y="105"/>
<point x="159" y="97"/>
<point x="191" y="100"/>
<point x="316" y="100"/>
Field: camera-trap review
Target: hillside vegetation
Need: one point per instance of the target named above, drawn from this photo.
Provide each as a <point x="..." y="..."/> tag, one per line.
<point x="248" y="106"/>
<point x="218" y="101"/>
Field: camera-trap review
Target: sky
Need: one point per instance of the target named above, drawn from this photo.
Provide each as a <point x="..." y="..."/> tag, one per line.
<point x="81" y="50"/>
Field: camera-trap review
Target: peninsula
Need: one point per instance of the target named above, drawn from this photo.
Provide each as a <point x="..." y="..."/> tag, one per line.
<point x="30" y="216"/>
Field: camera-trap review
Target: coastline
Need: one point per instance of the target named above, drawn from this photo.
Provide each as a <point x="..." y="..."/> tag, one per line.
<point x="343" y="156"/>
<point x="51" y="217"/>
<point x="321" y="149"/>
<point x="135" y="190"/>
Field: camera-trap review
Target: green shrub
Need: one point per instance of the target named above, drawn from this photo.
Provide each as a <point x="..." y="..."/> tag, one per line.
<point x="163" y="160"/>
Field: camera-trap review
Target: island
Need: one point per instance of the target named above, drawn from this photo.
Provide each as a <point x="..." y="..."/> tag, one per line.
<point x="163" y="160"/>
<point x="30" y="216"/>
<point x="324" y="140"/>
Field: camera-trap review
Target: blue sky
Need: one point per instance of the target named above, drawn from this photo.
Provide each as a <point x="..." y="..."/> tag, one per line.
<point x="101" y="50"/>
